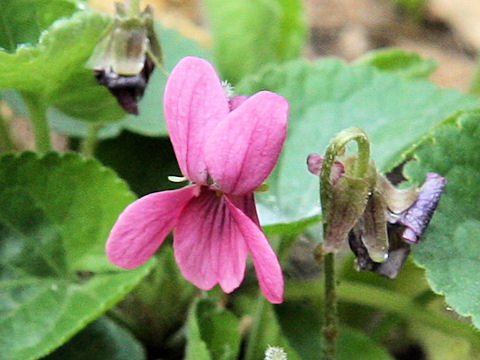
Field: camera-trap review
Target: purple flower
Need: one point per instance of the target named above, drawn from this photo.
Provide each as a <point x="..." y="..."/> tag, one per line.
<point x="380" y="223"/>
<point x="404" y="228"/>
<point x="226" y="148"/>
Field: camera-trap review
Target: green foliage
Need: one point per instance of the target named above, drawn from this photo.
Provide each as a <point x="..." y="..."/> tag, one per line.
<point x="328" y="96"/>
<point x="53" y="69"/>
<point x="249" y="34"/>
<point x="409" y="65"/>
<point x="55" y="216"/>
<point x="23" y="21"/>
<point x="450" y="251"/>
<point x="302" y="326"/>
<point x="213" y="333"/>
<point x="103" y="339"/>
<point x="150" y="121"/>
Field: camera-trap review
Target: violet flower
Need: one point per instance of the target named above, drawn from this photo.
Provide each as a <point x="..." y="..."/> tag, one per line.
<point x="226" y="148"/>
<point x="397" y="218"/>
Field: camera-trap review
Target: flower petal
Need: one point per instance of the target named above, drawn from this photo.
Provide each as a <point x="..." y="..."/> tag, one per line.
<point x="417" y="217"/>
<point x="194" y="103"/>
<point x="314" y="163"/>
<point x="267" y="267"/>
<point x="242" y="150"/>
<point x="208" y="246"/>
<point x="144" y="224"/>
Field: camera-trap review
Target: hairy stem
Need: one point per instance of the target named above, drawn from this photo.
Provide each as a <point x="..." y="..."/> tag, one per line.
<point x="257" y="328"/>
<point x="330" y="328"/>
<point x="90" y="142"/>
<point x="38" y="116"/>
<point x="6" y="142"/>
<point x="389" y="301"/>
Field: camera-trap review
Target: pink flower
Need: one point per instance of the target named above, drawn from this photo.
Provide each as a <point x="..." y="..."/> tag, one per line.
<point x="226" y="148"/>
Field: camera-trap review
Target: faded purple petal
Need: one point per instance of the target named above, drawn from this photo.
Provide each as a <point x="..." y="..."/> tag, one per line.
<point x="417" y="217"/>
<point x="208" y="246"/>
<point x="315" y="161"/>
<point x="267" y="267"/>
<point x="144" y="224"/>
<point x="242" y="150"/>
<point x="397" y="253"/>
<point x="194" y="104"/>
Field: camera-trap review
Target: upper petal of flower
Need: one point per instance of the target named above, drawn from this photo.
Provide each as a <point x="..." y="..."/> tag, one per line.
<point x="315" y="162"/>
<point x="267" y="267"/>
<point x="242" y="150"/>
<point x="194" y="103"/>
<point x="208" y="246"/>
<point x="144" y="224"/>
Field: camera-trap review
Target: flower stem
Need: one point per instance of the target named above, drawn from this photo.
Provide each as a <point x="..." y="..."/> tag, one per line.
<point x="474" y="88"/>
<point x="38" y="117"/>
<point x="89" y="143"/>
<point x="257" y="329"/>
<point x="330" y="329"/>
<point x="6" y="142"/>
<point x="390" y="301"/>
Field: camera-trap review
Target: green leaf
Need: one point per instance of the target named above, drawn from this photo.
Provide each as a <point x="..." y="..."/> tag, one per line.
<point x="144" y="174"/>
<point x="449" y="251"/>
<point x="54" y="68"/>
<point x="213" y="333"/>
<point x="410" y="65"/>
<point x="22" y="21"/>
<point x="103" y="339"/>
<point x="249" y="34"/>
<point x="328" y="96"/>
<point x="55" y="216"/>
<point x="150" y="121"/>
<point x="302" y="326"/>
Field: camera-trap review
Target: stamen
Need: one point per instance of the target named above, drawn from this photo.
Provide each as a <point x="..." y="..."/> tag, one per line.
<point x="228" y="88"/>
<point x="177" y="179"/>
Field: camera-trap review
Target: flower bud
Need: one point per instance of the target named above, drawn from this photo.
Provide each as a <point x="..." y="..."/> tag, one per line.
<point x="126" y="55"/>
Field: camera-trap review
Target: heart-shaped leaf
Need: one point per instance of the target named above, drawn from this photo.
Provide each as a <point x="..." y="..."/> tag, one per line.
<point x="103" y="339"/>
<point x="449" y="251"/>
<point x="328" y="96"/>
<point x="55" y="215"/>
<point x="250" y="34"/>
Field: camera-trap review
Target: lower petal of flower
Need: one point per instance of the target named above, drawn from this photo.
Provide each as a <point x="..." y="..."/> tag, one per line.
<point x="209" y="248"/>
<point x="267" y="267"/>
<point x="144" y="224"/>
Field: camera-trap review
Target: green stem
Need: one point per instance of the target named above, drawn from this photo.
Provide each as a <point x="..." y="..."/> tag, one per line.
<point x="475" y="83"/>
<point x="257" y="329"/>
<point x="389" y="301"/>
<point x="38" y="116"/>
<point x="90" y="142"/>
<point x="263" y="309"/>
<point x="330" y="329"/>
<point x="6" y="143"/>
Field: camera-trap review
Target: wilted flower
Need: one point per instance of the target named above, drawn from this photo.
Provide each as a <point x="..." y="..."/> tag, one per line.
<point x="379" y="220"/>
<point x="126" y="55"/>
<point x="405" y="224"/>
<point x="226" y="147"/>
